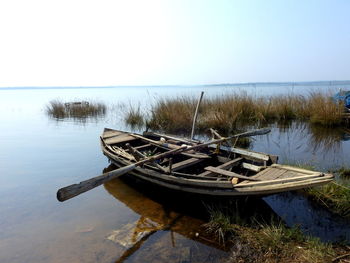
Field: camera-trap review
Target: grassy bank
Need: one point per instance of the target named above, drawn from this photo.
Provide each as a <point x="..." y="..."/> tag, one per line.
<point x="334" y="196"/>
<point x="77" y="110"/>
<point x="273" y="242"/>
<point x="228" y="112"/>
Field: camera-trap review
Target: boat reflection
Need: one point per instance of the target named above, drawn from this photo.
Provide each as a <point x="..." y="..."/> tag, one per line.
<point x="182" y="215"/>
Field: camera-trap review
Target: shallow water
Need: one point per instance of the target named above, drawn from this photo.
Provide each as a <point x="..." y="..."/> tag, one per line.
<point x="38" y="155"/>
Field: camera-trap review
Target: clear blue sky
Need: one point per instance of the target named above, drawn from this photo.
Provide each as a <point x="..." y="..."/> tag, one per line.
<point x="89" y="43"/>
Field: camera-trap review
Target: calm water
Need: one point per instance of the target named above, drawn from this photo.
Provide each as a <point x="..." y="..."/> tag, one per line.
<point x="38" y="155"/>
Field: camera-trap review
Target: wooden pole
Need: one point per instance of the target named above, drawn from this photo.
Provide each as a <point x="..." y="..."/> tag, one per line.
<point x="73" y="190"/>
<point x="195" y="114"/>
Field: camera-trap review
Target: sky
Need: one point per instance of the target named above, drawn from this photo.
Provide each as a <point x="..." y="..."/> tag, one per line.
<point x="172" y="42"/>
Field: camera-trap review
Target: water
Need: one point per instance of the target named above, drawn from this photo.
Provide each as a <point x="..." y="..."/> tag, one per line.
<point x="38" y="155"/>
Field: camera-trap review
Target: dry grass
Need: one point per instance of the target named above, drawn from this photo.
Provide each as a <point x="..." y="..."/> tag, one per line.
<point x="75" y="110"/>
<point x="226" y="113"/>
<point x="134" y="117"/>
<point x="324" y="111"/>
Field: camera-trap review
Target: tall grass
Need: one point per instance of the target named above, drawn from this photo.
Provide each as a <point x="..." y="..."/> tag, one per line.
<point x="134" y="116"/>
<point x="76" y="110"/>
<point x="226" y="113"/>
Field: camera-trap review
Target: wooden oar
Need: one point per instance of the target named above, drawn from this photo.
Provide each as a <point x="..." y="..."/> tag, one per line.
<point x="73" y="190"/>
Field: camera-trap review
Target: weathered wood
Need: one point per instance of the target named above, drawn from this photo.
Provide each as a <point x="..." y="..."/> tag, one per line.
<point x="222" y="159"/>
<point x="121" y="152"/>
<point x="227" y="173"/>
<point x="215" y="133"/>
<point x="262" y="190"/>
<point x="234" y="180"/>
<point x="119" y="139"/>
<point x="195" y="115"/>
<point x="107" y="133"/>
<point x="143" y="146"/>
<point x="295" y="169"/>
<point x="172" y="137"/>
<point x="224" y="166"/>
<point x="76" y="189"/>
<point x="247" y="153"/>
<point x="278" y="181"/>
<point x="184" y="164"/>
<point x="70" y="191"/>
<point x="252" y="167"/>
<point x="172" y="146"/>
<point x="138" y="156"/>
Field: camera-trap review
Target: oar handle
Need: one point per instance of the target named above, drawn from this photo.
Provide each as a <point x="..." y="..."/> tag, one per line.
<point x="73" y="190"/>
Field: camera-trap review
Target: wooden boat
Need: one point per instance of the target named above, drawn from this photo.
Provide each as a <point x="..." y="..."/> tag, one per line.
<point x="212" y="170"/>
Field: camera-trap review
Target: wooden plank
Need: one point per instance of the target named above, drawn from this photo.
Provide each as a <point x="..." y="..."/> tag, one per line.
<point x="214" y="132"/>
<point x="107" y="133"/>
<point x="184" y="164"/>
<point x="227" y="173"/>
<point x="247" y="153"/>
<point x="143" y="146"/>
<point x="121" y="152"/>
<point x="171" y="137"/>
<point x="168" y="146"/>
<point x="222" y="159"/>
<point x="119" y="139"/>
<point x="252" y="154"/>
<point x="284" y="180"/>
<point x="269" y="173"/>
<point x="295" y="169"/>
<point x="224" y="166"/>
<point x="252" y="167"/>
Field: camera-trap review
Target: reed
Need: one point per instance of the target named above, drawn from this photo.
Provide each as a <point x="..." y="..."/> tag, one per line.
<point x="134" y="117"/>
<point x="76" y="110"/>
<point x="227" y="112"/>
<point x="172" y="114"/>
<point x="324" y="111"/>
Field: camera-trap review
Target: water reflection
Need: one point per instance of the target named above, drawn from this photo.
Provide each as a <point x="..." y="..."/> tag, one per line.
<point x="173" y="223"/>
<point x="78" y="111"/>
<point x="162" y="228"/>
<point x="314" y="220"/>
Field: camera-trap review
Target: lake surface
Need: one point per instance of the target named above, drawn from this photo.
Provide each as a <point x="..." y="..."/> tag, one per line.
<point x="39" y="154"/>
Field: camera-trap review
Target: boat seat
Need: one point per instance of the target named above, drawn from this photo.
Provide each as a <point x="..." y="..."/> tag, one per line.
<point x="184" y="164"/>
<point x="119" y="138"/>
<point x="224" y="166"/>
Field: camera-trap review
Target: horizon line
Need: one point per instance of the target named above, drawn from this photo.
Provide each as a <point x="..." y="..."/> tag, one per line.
<point x="330" y="82"/>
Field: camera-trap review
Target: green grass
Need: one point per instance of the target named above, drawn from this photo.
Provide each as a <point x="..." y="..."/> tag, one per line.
<point x="344" y="172"/>
<point x="335" y="196"/>
<point x="262" y="242"/>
